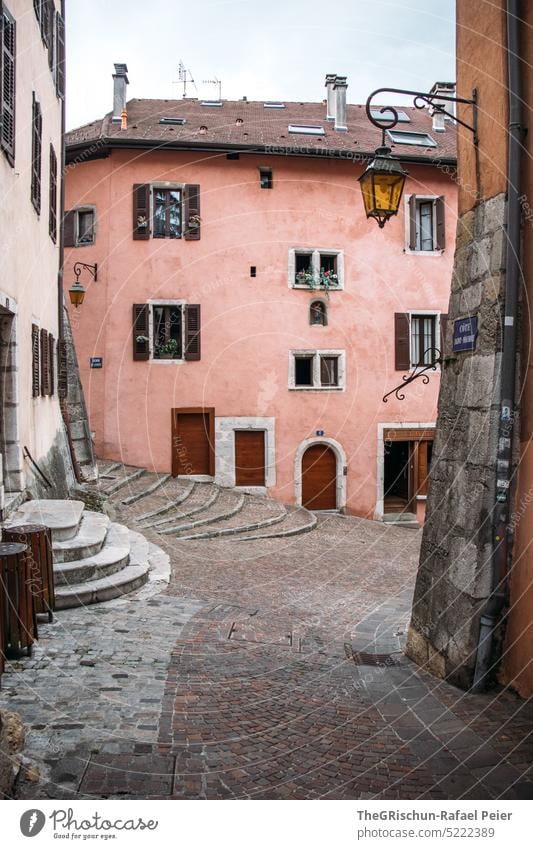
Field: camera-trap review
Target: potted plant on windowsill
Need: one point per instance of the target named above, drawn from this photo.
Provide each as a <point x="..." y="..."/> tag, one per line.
<point x="325" y="280"/>
<point x="167" y="351"/>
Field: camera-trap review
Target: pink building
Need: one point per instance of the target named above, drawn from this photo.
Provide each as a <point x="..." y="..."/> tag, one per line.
<point x="247" y="319"/>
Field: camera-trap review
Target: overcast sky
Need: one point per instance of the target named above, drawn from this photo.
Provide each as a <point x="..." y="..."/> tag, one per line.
<point x="279" y="49"/>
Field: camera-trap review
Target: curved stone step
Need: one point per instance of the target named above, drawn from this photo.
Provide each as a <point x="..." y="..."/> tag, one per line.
<point x="196" y="503"/>
<point x="125" y="581"/>
<point x="114" y="556"/>
<point x="87" y="542"/>
<point x="231" y="530"/>
<point x="62" y="517"/>
<point x="171" y="498"/>
<point x="231" y="505"/>
<point x="298" y="521"/>
<point x="144" y="490"/>
<point x="124" y="480"/>
<point x="105" y="470"/>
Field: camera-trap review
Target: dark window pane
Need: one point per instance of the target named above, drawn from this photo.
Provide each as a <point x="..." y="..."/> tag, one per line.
<point x="159" y="214"/>
<point x="329" y="372"/>
<point x="425" y="227"/>
<point x="167" y="332"/>
<point x="85" y="227"/>
<point x="328" y="262"/>
<point x="303" y="371"/>
<point x="174" y="217"/>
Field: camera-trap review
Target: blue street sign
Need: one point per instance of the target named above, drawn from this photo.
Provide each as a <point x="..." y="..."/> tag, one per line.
<point x="465" y="334"/>
<point x="97" y="362"/>
<point x="320" y="433"/>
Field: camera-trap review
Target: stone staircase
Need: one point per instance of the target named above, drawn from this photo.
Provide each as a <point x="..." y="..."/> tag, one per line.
<point x="95" y="559"/>
<point x="189" y="510"/>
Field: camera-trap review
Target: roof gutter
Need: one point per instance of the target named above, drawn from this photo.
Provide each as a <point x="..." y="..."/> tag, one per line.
<point x="486" y="661"/>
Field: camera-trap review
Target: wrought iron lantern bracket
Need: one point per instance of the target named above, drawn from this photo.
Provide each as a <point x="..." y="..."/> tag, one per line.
<point x="417" y="371"/>
<point x="421" y="99"/>
<point x="78" y="266"/>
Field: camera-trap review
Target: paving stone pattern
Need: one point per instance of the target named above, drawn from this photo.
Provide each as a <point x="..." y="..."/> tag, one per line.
<point x="268" y="669"/>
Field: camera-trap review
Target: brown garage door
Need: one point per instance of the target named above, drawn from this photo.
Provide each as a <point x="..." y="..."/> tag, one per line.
<point x="250" y="457"/>
<point x="319" y="478"/>
<point x="193" y="441"/>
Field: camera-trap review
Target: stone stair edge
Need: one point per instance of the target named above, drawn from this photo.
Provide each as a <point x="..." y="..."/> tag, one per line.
<point x="207" y="520"/>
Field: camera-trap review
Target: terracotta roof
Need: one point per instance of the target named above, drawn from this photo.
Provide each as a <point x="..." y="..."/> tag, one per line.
<point x="244" y="124"/>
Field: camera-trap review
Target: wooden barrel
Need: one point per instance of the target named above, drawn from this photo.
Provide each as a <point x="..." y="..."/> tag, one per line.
<point x="20" y="621"/>
<point x="38" y="539"/>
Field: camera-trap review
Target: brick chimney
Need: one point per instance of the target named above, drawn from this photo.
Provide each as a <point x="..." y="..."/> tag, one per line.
<point x="330" y="94"/>
<point x="120" y="83"/>
<point x="439" y="120"/>
<point x="339" y="89"/>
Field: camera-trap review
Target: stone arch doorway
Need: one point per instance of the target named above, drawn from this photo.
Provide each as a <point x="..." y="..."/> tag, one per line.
<point x="320" y="475"/>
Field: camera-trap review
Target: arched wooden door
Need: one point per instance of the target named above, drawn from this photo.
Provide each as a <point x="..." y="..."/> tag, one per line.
<point x="319" y="478"/>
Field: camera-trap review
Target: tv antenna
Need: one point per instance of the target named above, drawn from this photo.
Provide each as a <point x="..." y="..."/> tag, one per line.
<point x="184" y="77"/>
<point x="216" y="82"/>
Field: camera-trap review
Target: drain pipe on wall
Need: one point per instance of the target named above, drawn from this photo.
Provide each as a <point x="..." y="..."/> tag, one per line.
<point x="486" y="664"/>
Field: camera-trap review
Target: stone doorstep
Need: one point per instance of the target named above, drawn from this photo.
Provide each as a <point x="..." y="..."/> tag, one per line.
<point x="61" y="516"/>
<point x="88" y="541"/>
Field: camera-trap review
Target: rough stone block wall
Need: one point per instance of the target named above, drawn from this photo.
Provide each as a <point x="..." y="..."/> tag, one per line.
<point x="11" y="742"/>
<point x="454" y="577"/>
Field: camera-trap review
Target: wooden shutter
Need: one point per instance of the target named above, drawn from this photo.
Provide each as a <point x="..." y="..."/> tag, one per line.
<point x="60" y="55"/>
<point x="422" y="458"/>
<point x="412" y="223"/>
<point x="51" y="352"/>
<point x="50" y="32"/>
<point x="441" y="229"/>
<point x="37" y="131"/>
<point x="141" y="348"/>
<point x="45" y="368"/>
<point x="443" y="328"/>
<point x="69" y="228"/>
<point x="52" y="211"/>
<point x="191" y="216"/>
<point x="141" y="211"/>
<point x="35" y="371"/>
<point x="402" y="358"/>
<point x="62" y="369"/>
<point x="8" y="79"/>
<point x="192" y="332"/>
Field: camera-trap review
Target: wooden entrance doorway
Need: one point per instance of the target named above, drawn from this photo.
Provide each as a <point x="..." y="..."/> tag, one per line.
<point x="407" y="459"/>
<point x="319" y="478"/>
<point x="193" y="441"/>
<point x="250" y="458"/>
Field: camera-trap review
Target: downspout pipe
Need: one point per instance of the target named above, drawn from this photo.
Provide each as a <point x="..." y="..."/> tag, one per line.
<point x="486" y="663"/>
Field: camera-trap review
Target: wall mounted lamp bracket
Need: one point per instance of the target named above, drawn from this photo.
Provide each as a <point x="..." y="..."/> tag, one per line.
<point x="421" y="99"/>
<point x="420" y="370"/>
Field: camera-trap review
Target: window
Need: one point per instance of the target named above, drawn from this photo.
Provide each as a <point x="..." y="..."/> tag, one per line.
<point x="7" y="85"/>
<point x="173" y="121"/>
<point x="167" y="214"/>
<point x="52" y="212"/>
<point x="416" y="336"/>
<point x="318" y="314"/>
<point x="404" y="137"/>
<point x="425" y="225"/>
<point x="423" y="339"/>
<point x="306" y="130"/>
<point x="316" y="370"/>
<point x="166" y="211"/>
<point x="167" y="340"/>
<point x="316" y="269"/>
<point x="85" y="229"/>
<point x="80" y="227"/>
<point x="265" y="178"/>
<point x="36" y="143"/>
<point x="272" y="104"/>
<point x="387" y="114"/>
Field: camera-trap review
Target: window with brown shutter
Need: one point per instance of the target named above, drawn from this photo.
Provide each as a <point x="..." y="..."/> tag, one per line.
<point x="167" y="206"/>
<point x="62" y="369"/>
<point x="69" y="228"/>
<point x="52" y="212"/>
<point x="192" y="332"/>
<point x="36" y="143"/>
<point x="7" y="85"/>
<point x="440" y="238"/>
<point x="191" y="217"/>
<point x="35" y="361"/>
<point x="50" y="34"/>
<point x="45" y="368"/>
<point x="412" y="223"/>
<point x="51" y="358"/>
<point x="426" y="224"/>
<point x="60" y="55"/>
<point x="402" y="355"/>
<point x="141" y="211"/>
<point x="141" y="341"/>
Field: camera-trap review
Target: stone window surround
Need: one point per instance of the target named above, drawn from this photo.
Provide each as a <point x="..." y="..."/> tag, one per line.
<point x="317" y="353"/>
<point x="340" y="454"/>
<point x="407" y="249"/>
<point x="225" y="427"/>
<point x="437" y="314"/>
<point x="315" y="254"/>
<point x="380" y="477"/>
<point x="164" y="302"/>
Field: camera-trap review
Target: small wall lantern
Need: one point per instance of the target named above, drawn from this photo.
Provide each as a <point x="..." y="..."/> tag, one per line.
<point x="382" y="186"/>
<point x="77" y="291"/>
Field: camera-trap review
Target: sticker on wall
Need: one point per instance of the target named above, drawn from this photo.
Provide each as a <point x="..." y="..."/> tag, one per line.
<point x="320" y="433"/>
<point x="465" y="334"/>
<point x="97" y="362"/>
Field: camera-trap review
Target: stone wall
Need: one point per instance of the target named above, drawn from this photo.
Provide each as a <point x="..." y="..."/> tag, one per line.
<point x="77" y="411"/>
<point x="454" y="577"/>
<point x="11" y="742"/>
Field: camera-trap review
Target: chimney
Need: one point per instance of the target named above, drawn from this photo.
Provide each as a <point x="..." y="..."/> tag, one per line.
<point x="124" y="119"/>
<point x="120" y="81"/>
<point x="330" y="109"/>
<point x="439" y="119"/>
<point x="339" y="89"/>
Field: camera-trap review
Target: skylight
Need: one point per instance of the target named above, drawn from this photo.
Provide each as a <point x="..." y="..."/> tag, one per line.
<point x="272" y="104"/>
<point x="403" y="117"/>
<point x="306" y="130"/>
<point x="178" y="121"/>
<point x="211" y="103"/>
<point x="420" y="139"/>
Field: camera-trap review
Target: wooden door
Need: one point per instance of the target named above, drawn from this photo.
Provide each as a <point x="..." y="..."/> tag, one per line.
<point x="193" y="441"/>
<point x="250" y="457"/>
<point x="319" y="478"/>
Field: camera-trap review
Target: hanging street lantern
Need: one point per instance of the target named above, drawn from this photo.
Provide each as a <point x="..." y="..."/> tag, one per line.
<point x="382" y="186"/>
<point x="76" y="291"/>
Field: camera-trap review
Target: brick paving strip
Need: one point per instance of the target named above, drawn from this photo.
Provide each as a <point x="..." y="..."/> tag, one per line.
<point x="253" y="675"/>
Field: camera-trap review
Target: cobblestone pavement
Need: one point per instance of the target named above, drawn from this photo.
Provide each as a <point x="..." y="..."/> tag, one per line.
<point x="267" y="669"/>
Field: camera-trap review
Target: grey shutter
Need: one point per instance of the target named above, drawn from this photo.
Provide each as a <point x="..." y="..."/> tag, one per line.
<point x="402" y="358"/>
<point x="141" y="211"/>
<point x="62" y="369"/>
<point x="412" y="223"/>
<point x="69" y="228"/>
<point x="441" y="229"/>
<point x="141" y="347"/>
<point x="7" y="85"/>
<point x="191" y="209"/>
<point x="192" y="332"/>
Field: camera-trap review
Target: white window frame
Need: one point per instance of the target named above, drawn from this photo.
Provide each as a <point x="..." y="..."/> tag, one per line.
<point x="316" y="353"/>
<point x="88" y="207"/>
<point x="433" y="313"/>
<point x="421" y="199"/>
<point x="314" y="253"/>
<point x="165" y="302"/>
<point x="175" y="187"/>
